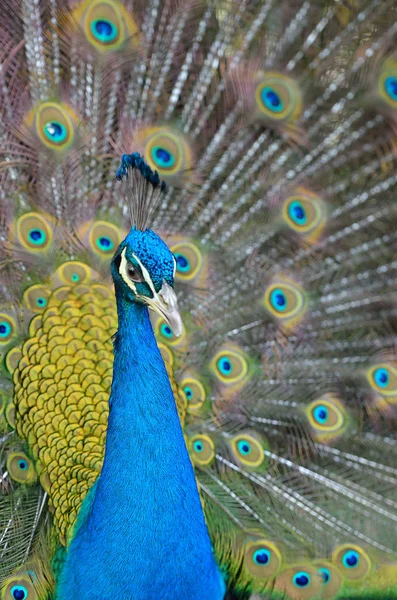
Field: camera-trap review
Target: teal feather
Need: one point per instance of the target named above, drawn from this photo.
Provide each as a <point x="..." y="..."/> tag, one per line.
<point x="250" y="452"/>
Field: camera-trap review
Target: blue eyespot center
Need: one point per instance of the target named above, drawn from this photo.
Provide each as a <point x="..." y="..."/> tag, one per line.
<point x="166" y="330"/>
<point x="104" y="243"/>
<point x="297" y="213"/>
<point x="262" y="556"/>
<point x="391" y="87"/>
<point x="19" y="592"/>
<point x="271" y="100"/>
<point x="162" y="157"/>
<point x="41" y="301"/>
<point x="198" y="446"/>
<point x="325" y="575"/>
<point x="23" y="465"/>
<point x="104" y="31"/>
<point x="320" y="414"/>
<point x="381" y="377"/>
<point x="225" y="366"/>
<point x="37" y="236"/>
<point x="301" y="579"/>
<point x="75" y="277"/>
<point x="244" y="447"/>
<point x="55" y="131"/>
<point x="188" y="392"/>
<point x="5" y="329"/>
<point x="351" y="559"/>
<point x="278" y="300"/>
<point x="182" y="263"/>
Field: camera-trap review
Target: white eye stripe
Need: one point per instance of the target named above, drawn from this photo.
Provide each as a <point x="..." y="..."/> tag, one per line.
<point x="145" y="274"/>
<point x="123" y="270"/>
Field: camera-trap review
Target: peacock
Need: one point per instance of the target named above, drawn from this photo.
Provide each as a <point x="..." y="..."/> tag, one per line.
<point x="198" y="308"/>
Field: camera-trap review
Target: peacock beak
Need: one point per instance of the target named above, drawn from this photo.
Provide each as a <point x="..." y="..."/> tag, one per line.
<point x="166" y="305"/>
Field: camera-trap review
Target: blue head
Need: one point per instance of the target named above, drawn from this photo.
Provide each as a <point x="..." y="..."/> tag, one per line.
<point x="143" y="271"/>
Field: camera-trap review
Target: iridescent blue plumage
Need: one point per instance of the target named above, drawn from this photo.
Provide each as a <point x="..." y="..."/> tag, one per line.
<point x="144" y="436"/>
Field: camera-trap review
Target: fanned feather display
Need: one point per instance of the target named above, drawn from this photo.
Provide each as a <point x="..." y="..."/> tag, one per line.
<point x="258" y="139"/>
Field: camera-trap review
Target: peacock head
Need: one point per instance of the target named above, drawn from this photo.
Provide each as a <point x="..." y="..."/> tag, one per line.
<point x="143" y="271"/>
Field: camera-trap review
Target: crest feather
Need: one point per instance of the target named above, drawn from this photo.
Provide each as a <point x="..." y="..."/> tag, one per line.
<point x="143" y="186"/>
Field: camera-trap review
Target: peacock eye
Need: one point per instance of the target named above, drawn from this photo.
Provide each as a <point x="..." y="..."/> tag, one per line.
<point x="134" y="274"/>
<point x="262" y="558"/>
<point x="301" y="579"/>
<point x="19" y="592"/>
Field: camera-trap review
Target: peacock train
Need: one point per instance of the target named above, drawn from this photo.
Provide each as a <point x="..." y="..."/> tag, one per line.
<point x="198" y="299"/>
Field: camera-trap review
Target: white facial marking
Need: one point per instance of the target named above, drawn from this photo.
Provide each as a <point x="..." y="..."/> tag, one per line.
<point x="123" y="270"/>
<point x="145" y="274"/>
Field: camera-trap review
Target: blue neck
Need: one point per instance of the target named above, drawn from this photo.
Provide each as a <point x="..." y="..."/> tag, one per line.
<point x="144" y="534"/>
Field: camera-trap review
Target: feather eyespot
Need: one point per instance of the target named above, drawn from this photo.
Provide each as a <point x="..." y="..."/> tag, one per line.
<point x="73" y="273"/>
<point x="55" y="132"/>
<point x="190" y="263"/>
<point x="230" y="365"/>
<point x="383" y="379"/>
<point x="21" y="468"/>
<point x="194" y="392"/>
<point x="166" y="330"/>
<point x="166" y="151"/>
<point x="327" y="417"/>
<point x="325" y="575"/>
<point x="19" y="588"/>
<point x="34" y="232"/>
<point x="232" y="369"/>
<point x="352" y="561"/>
<point x="286" y="301"/>
<point x="104" y="238"/>
<point x="330" y="577"/>
<point x="104" y="243"/>
<point x="36" y="297"/>
<point x="54" y="124"/>
<point x="202" y="449"/>
<point x="165" y="335"/>
<point x="182" y="263"/>
<point x="162" y="157"/>
<point x="7" y="328"/>
<point x="301" y="579"/>
<point x="387" y="83"/>
<point x="247" y="450"/>
<point x="103" y="30"/>
<point x="262" y="558"/>
<point x="278" y="97"/>
<point x="106" y="24"/>
<point x="304" y="212"/>
<point x="19" y="592"/>
<point x="300" y="582"/>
